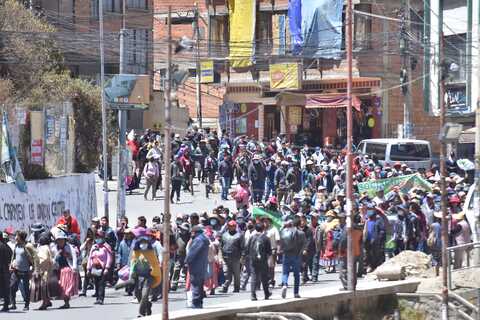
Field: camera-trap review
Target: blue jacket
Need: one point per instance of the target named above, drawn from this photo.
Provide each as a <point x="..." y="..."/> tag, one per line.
<point x="123" y="254"/>
<point x="197" y="256"/>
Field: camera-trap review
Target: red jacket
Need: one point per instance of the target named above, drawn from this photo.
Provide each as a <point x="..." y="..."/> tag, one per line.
<point x="71" y="223"/>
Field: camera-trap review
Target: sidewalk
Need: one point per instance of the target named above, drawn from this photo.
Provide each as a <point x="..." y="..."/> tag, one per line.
<point x="321" y="300"/>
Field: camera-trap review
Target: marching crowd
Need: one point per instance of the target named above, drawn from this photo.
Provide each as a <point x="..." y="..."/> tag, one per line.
<point x="290" y="210"/>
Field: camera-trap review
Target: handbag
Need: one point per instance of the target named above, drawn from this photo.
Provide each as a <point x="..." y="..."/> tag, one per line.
<point x="35" y="289"/>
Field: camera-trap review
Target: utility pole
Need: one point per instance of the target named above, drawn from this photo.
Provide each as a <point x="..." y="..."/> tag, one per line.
<point x="122" y="125"/>
<point x="198" y="77"/>
<point x="350" y="258"/>
<point x="476" y="193"/>
<point x="406" y="71"/>
<point x="104" y="111"/>
<point x="443" y="186"/>
<point x="168" y="158"/>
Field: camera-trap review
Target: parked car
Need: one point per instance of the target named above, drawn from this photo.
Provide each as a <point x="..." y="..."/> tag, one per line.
<point x="414" y="153"/>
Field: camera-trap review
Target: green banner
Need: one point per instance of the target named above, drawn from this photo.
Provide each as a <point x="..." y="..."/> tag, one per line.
<point x="276" y="216"/>
<point x="405" y="183"/>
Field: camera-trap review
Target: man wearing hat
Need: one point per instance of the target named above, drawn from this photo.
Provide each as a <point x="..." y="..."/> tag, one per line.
<point x="270" y="178"/>
<point x="294" y="180"/>
<point x="232" y="246"/>
<point x="197" y="262"/>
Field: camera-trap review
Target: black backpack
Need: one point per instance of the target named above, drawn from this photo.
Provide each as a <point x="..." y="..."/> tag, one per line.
<point x="259" y="252"/>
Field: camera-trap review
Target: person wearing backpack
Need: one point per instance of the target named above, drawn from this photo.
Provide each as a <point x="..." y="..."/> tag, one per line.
<point x="151" y="173"/>
<point x="259" y="251"/>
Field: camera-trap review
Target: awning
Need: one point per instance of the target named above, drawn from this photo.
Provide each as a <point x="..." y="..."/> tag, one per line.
<point x="317" y="101"/>
<point x="468" y="136"/>
<point x="327" y="101"/>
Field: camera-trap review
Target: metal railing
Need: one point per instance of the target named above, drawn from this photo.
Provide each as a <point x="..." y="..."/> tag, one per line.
<point x="458" y="254"/>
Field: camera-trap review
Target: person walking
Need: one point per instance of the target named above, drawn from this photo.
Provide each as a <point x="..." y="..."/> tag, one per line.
<point x="123" y="255"/>
<point x="257" y="175"/>
<point x="24" y="262"/>
<point x="232" y="248"/>
<point x="293" y="243"/>
<point x="259" y="251"/>
<point x="99" y="262"/>
<point x="197" y="262"/>
<point x="281" y="182"/>
<point x="66" y="266"/>
<point x="151" y="173"/>
<point x="177" y="176"/>
<point x="5" y="258"/>
<point x="45" y="267"/>
<point x="225" y="173"/>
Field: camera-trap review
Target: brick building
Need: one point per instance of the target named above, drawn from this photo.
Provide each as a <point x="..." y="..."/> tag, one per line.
<point x="77" y="34"/>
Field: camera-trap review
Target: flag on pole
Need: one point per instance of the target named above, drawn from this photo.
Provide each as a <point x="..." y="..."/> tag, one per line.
<point x="276" y="216"/>
<point x="9" y="161"/>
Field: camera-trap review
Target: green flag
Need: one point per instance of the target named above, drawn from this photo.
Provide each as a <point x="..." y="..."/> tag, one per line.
<point x="405" y="183"/>
<point x="275" y="216"/>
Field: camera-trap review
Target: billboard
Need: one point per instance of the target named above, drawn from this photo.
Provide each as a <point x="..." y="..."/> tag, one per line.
<point x="285" y="76"/>
<point x="128" y="89"/>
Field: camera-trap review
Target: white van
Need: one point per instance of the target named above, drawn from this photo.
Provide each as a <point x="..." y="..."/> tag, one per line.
<point x="414" y="153"/>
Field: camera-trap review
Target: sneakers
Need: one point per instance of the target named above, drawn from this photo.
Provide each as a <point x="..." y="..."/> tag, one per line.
<point x="296" y="296"/>
<point x="267" y="297"/>
<point x="284" y="292"/>
<point x="254" y="298"/>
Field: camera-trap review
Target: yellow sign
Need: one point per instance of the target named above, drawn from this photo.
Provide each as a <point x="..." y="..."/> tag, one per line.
<point x="206" y="74"/>
<point x="285" y="76"/>
<point x="242" y="32"/>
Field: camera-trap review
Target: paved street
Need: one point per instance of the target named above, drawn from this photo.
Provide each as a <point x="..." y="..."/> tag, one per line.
<point x="119" y="306"/>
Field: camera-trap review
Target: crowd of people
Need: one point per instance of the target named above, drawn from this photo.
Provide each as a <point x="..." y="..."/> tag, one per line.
<point x="290" y="209"/>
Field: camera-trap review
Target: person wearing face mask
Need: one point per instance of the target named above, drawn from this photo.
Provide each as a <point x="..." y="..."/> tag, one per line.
<point x="145" y="271"/>
<point x="402" y="230"/>
<point x="197" y="262"/>
<point x="123" y="254"/>
<point x="111" y="239"/>
<point x="232" y="248"/>
<point x="99" y="262"/>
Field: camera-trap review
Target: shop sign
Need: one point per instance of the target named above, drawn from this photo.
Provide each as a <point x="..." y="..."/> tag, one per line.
<point x="285" y="76"/>
<point x="37" y="151"/>
<point x="206" y="71"/>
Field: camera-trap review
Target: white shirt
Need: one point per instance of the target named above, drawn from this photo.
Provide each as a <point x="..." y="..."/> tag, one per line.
<point x="274" y="236"/>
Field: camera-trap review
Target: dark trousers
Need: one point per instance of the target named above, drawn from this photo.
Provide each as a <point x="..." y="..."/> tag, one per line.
<point x="343" y="272"/>
<point x="5" y="288"/>
<point x="246" y="273"/>
<point x="373" y="255"/>
<point x="177" y="270"/>
<point x="307" y="264"/>
<point x="20" y="280"/>
<point x="142" y="292"/>
<point x="231" y="268"/>
<point x="259" y="274"/>
<point x="291" y="264"/>
<point x="176" y="186"/>
<point x="196" y="283"/>
<point x="99" y="287"/>
<point x="316" y="266"/>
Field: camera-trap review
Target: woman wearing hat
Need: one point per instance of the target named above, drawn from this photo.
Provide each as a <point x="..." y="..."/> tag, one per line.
<point x="463" y="236"/>
<point x="65" y="263"/>
<point x="45" y="267"/>
<point x="328" y="253"/>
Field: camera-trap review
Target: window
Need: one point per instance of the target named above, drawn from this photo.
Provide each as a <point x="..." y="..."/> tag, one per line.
<point x="137" y="4"/>
<point x="362" y="27"/>
<point x="263" y="33"/>
<point x="376" y="149"/>
<point x="218" y="44"/>
<point x="456" y="51"/>
<point x="409" y="152"/>
<point x="137" y="41"/>
<point x="94" y="9"/>
<point x="108" y="6"/>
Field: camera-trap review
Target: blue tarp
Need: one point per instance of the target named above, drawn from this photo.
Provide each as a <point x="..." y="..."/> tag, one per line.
<point x="295" y="22"/>
<point x="321" y="28"/>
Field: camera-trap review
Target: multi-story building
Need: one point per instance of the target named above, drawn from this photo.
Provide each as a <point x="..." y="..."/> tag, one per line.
<point x="77" y="23"/>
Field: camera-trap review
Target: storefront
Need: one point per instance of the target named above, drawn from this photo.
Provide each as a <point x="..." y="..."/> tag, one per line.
<point x="314" y="115"/>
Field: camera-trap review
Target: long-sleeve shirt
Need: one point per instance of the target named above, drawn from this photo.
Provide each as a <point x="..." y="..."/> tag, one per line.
<point x="100" y="257"/>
